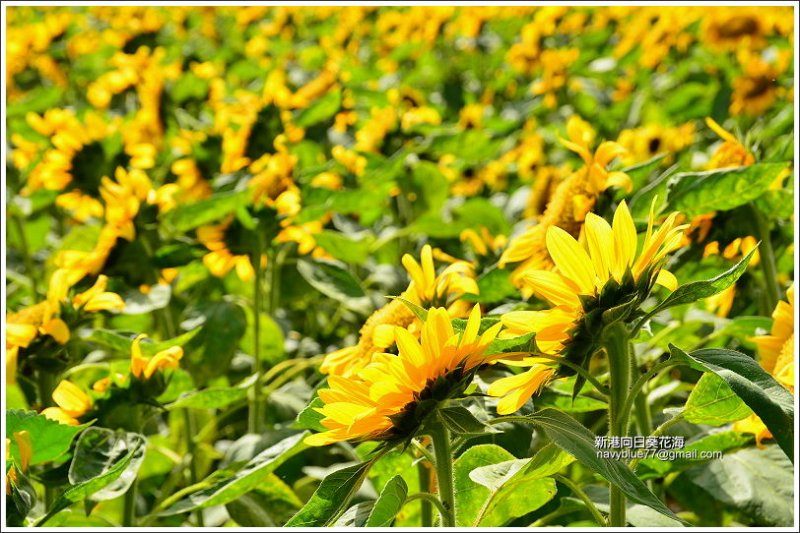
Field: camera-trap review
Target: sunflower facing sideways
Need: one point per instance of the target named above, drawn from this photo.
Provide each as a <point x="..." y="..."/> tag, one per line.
<point x="427" y="289"/>
<point x="391" y="396"/>
<point x="604" y="272"/>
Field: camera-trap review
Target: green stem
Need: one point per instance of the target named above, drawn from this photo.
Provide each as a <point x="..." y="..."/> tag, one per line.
<point x="658" y="431"/>
<point x="615" y="342"/>
<point x="189" y="432"/>
<point x="45" y="384"/>
<point x="767" y="258"/>
<point x="638" y="385"/>
<point x="426" y="511"/>
<point x="644" y="420"/>
<point x="428" y="498"/>
<point x="577" y="491"/>
<point x="129" y="510"/>
<point x="444" y="472"/>
<point x="254" y="421"/>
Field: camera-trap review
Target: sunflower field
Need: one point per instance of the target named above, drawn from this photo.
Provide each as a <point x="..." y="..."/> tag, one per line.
<point x="399" y="266"/>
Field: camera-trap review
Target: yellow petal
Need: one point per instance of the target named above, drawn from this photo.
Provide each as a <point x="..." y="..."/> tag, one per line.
<point x="625" y="240"/>
<point x="57" y="329"/>
<point x="571" y="259"/>
<point x="667" y="279"/>
<point x="71" y="399"/>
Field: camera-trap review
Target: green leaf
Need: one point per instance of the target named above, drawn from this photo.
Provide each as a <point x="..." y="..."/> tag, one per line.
<point x="213" y="398"/>
<point x="760" y="391"/>
<point x="713" y="402"/>
<point x="568" y="404"/>
<point x="758" y="483"/>
<point x="640" y="172"/>
<point x="209" y="352"/>
<point x="696" y="193"/>
<point x="270" y="505"/>
<point x="323" y="109"/>
<point x="459" y="420"/>
<point x="335" y="282"/>
<point x="389" y="503"/>
<point x="49" y="439"/>
<point x="777" y="204"/>
<point x="523" y="344"/>
<point x="469" y="495"/>
<point x="249" y="477"/>
<point x="653" y="467"/>
<point x="579" y="442"/>
<point x="100" y="448"/>
<point x="343" y="247"/>
<point x="494" y="285"/>
<point x="698" y="290"/>
<point x="514" y="491"/>
<point x="270" y="337"/>
<point x="187" y="217"/>
<point x="332" y="496"/>
<point x="121" y="344"/>
<point x="355" y="516"/>
<point x="137" y="302"/>
<point x="86" y="488"/>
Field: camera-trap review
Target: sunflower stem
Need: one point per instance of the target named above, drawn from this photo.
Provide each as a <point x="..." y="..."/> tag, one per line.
<point x="615" y="342"/>
<point x="189" y="432"/>
<point x="129" y="509"/>
<point x="44" y="382"/>
<point x="426" y="510"/>
<point x="254" y="420"/>
<point x="767" y="258"/>
<point x="444" y="472"/>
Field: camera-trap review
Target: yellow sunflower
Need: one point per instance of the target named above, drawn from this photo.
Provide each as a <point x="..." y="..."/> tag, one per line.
<point x="227" y="249"/>
<point x="602" y="271"/>
<point x="572" y="200"/>
<point x="391" y="396"/>
<point x="776" y="356"/>
<point x="426" y="289"/>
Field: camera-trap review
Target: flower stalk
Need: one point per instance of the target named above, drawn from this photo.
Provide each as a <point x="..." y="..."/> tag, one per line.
<point x="615" y="342"/>
<point x="444" y="472"/>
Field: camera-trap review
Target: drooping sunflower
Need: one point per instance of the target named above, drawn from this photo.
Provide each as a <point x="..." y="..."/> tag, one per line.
<point x="601" y="272"/>
<point x="228" y="249"/>
<point x="392" y="395"/>
<point x="427" y="289"/>
<point x="572" y="200"/>
<point x="776" y="356"/>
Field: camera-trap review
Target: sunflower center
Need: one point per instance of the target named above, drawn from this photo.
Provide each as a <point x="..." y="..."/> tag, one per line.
<point x="654" y="145"/>
<point x="758" y="86"/>
<point x="739" y="26"/>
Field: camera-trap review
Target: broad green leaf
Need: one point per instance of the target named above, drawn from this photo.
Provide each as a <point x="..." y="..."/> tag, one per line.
<point x="760" y="391"/>
<point x="720" y="190"/>
<point x="310" y="418"/>
<point x="469" y="495"/>
<point x="247" y="478"/>
<point x="568" y="404"/>
<point x="49" y="439"/>
<point x="97" y="450"/>
<point x="579" y="442"/>
<point x="386" y="507"/>
<point x="335" y="282"/>
<point x="355" y="516"/>
<point x="324" y="108"/>
<point x="395" y="462"/>
<point x="713" y="402"/>
<point x="213" y="209"/>
<point x="343" y="247"/>
<point x="332" y="496"/>
<point x="459" y="420"/>
<point x="758" y="483"/>
<point x="523" y="343"/>
<point x="137" y="302"/>
<point x="212" y="398"/>
<point x="85" y="489"/>
<point x="776" y="204"/>
<point x="270" y="505"/>
<point x="698" y="290"/>
<point x="653" y="467"/>
<point x="511" y="493"/>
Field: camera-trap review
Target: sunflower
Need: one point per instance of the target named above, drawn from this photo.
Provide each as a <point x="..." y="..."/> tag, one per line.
<point x="601" y="272"/>
<point x="755" y="91"/>
<point x="776" y="356"/>
<point x="391" y="396"/>
<point x="228" y="249"/>
<point x="731" y="153"/>
<point x="427" y="289"/>
<point x="653" y="139"/>
<point x="72" y="403"/>
<point x="571" y="201"/>
<point x="144" y="367"/>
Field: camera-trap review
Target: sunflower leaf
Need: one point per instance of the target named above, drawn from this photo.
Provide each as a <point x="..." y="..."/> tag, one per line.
<point x="760" y="391"/>
<point x="389" y="503"/>
<point x="459" y="420"/>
